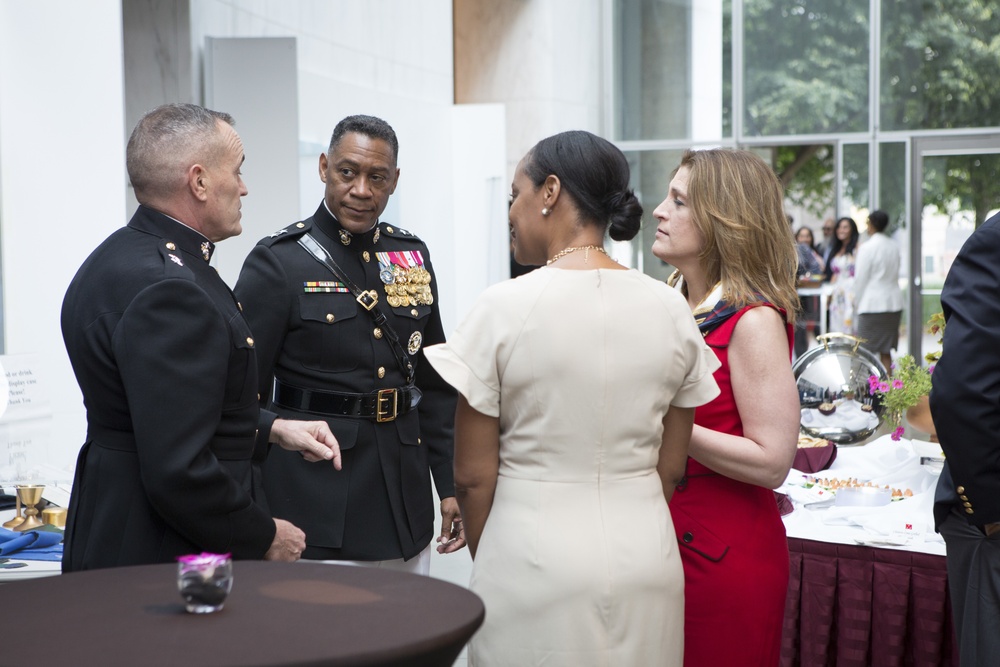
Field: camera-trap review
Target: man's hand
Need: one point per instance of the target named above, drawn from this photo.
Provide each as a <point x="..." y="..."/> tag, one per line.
<point x="452" y="537"/>
<point x="288" y="544"/>
<point x="313" y="439"/>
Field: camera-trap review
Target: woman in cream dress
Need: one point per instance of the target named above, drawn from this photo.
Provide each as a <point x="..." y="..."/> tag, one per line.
<point x="577" y="385"/>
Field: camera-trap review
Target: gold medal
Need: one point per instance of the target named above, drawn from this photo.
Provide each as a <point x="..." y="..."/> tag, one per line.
<point x="393" y="301"/>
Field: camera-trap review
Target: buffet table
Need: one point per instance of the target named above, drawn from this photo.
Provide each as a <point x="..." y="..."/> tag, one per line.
<point x="868" y="584"/>
<point x="276" y="614"/>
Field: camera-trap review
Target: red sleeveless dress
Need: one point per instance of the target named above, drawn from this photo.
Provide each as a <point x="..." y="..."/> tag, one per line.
<point x="733" y="545"/>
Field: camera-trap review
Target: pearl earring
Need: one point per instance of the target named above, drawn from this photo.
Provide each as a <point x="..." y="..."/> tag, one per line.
<point x="545" y="211"/>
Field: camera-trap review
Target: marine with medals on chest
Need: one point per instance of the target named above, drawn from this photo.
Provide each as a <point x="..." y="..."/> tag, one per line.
<point x="341" y="306"/>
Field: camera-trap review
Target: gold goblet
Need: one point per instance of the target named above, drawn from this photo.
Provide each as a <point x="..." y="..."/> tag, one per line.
<point x="16" y="521"/>
<point x="30" y="495"/>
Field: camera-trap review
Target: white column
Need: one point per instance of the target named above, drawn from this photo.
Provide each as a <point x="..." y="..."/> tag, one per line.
<point x="62" y="178"/>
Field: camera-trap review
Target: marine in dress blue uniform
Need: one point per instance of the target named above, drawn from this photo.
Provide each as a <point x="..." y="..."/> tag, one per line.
<point x="166" y="365"/>
<point x="321" y="354"/>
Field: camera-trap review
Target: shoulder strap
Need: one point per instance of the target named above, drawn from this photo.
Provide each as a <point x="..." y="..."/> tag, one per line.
<point x="368" y="301"/>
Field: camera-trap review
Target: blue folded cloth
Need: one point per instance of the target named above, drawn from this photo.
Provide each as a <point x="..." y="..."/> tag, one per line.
<point x="31" y="544"/>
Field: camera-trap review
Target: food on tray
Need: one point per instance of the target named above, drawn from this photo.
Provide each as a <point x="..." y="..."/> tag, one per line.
<point x="834" y="483"/>
<point x="809" y="441"/>
<point x="827" y="408"/>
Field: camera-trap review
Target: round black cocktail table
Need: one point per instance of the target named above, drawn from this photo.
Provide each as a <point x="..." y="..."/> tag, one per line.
<point x="277" y="614"/>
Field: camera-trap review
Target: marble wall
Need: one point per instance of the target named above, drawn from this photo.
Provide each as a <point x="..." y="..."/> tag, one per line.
<point x="540" y="58"/>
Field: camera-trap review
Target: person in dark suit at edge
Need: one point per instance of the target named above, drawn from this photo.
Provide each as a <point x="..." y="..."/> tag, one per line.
<point x="965" y="405"/>
<point x="166" y="364"/>
<point x="340" y="324"/>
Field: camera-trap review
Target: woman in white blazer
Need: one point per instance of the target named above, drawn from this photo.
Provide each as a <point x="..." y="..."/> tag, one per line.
<point x="876" y="289"/>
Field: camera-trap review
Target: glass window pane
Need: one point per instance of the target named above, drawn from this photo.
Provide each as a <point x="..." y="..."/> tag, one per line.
<point x="939" y="64"/>
<point x="855" y="180"/>
<point x="805" y="67"/>
<point x="669" y="85"/>
<point x="807" y="173"/>
<point x="892" y="182"/>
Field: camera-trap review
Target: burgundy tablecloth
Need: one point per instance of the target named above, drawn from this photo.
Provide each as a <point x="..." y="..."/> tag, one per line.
<point x="860" y="606"/>
<point x="277" y="614"/>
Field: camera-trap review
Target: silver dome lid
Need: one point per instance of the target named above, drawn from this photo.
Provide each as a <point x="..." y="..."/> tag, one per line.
<point x="834" y="401"/>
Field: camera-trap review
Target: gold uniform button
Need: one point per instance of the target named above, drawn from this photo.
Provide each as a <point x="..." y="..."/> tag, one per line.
<point x="414" y="312"/>
<point x="240" y="306"/>
<point x="418" y="441"/>
<point x="301" y="225"/>
<point x="967" y="504"/>
<point x="367" y="257"/>
<point x="960" y="490"/>
<point x="389" y="229"/>
<point x="963" y="497"/>
<point x="968" y="510"/>
<point x="171" y="246"/>
<point x="381" y="371"/>
<point x="377" y="333"/>
<point x="249" y="341"/>
<point x="258" y="396"/>
<point x="330" y="318"/>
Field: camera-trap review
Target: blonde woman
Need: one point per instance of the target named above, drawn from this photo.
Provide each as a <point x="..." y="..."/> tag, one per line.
<point x="722" y="226"/>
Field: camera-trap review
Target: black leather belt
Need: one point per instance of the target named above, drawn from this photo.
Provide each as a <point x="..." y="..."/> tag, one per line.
<point x="383" y="405"/>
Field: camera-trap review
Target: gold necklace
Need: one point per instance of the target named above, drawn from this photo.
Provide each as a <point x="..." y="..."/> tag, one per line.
<point x="586" y="256"/>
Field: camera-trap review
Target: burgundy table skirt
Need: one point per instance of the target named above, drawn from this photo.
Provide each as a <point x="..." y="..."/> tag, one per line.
<point x="858" y="606"/>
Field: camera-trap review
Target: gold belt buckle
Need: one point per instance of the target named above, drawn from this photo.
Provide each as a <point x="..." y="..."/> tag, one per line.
<point x="383" y="411"/>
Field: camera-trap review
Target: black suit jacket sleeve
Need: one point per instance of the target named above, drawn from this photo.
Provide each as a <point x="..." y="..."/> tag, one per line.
<point x="167" y="344"/>
<point x="965" y="398"/>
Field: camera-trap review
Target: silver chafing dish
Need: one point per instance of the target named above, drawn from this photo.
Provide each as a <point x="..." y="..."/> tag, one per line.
<point x="834" y="401"/>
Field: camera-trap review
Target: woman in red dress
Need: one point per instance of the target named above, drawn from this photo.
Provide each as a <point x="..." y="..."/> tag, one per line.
<point x="723" y="227"/>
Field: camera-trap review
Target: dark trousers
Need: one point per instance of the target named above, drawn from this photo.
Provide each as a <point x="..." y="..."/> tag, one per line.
<point x="974" y="584"/>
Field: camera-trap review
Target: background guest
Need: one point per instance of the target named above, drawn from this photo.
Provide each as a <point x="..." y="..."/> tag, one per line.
<point x="723" y="227"/>
<point x="810" y="268"/>
<point x="840" y="273"/>
<point x="572" y="426"/>
<point x="825" y="243"/>
<point x="804" y="237"/>
<point x="876" y="290"/>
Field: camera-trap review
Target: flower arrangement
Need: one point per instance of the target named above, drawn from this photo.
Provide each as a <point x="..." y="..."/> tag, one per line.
<point x="908" y="382"/>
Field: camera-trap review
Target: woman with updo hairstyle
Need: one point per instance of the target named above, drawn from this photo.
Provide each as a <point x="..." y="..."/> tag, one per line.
<point x="577" y="386"/>
<point x="722" y="226"/>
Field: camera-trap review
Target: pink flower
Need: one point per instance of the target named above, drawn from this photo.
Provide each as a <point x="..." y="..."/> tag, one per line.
<point x="897" y="434"/>
<point x="897" y="384"/>
<point x="930" y="369"/>
<point x="883" y="387"/>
